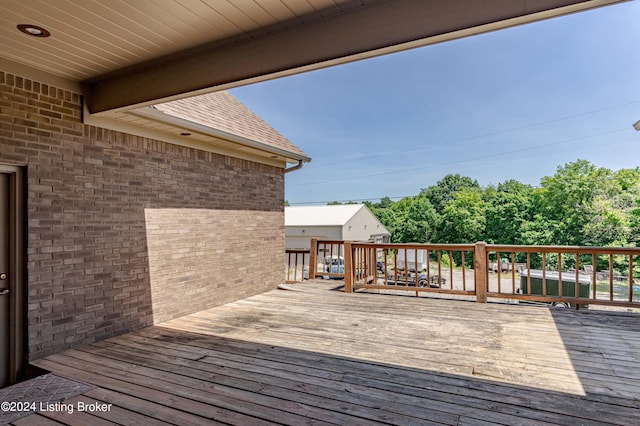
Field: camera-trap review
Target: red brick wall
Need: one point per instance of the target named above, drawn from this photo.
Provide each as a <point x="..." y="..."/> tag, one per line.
<point x="124" y="231"/>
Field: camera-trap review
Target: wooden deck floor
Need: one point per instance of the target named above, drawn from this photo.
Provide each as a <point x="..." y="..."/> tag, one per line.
<point x="319" y="356"/>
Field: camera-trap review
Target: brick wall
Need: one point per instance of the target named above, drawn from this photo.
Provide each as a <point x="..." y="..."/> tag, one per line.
<point x="125" y="231"/>
<point x="236" y="251"/>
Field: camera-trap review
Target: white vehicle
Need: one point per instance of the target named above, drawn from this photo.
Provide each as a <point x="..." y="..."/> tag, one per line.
<point x="406" y="259"/>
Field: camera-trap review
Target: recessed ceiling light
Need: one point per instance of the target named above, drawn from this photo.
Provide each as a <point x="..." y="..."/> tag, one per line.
<point x="33" y="30"/>
<point x="185" y="134"/>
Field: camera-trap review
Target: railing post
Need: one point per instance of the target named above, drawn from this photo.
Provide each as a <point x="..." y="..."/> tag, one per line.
<point x="480" y="269"/>
<point x="313" y="258"/>
<point x="348" y="269"/>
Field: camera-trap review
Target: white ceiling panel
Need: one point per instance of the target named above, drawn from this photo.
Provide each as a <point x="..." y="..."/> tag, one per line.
<point x="132" y="53"/>
<point x="90" y="38"/>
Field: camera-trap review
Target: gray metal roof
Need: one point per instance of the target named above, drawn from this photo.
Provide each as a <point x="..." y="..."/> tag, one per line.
<point x="336" y="215"/>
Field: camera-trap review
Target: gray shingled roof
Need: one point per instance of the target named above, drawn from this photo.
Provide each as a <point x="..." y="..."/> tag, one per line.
<point x="222" y="111"/>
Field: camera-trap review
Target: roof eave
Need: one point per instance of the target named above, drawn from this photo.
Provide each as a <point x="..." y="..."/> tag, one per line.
<point x="155" y="114"/>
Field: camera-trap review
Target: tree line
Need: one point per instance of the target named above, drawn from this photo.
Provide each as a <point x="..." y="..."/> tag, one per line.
<point x="581" y="204"/>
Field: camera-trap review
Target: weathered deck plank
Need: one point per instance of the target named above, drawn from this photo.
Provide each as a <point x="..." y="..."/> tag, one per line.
<point x="35" y="420"/>
<point x="319" y="356"/>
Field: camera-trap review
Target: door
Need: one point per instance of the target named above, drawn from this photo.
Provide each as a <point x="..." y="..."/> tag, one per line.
<point x="5" y="291"/>
<point x="12" y="324"/>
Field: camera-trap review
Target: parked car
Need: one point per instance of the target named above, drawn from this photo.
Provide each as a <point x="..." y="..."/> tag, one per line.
<point x="334" y="264"/>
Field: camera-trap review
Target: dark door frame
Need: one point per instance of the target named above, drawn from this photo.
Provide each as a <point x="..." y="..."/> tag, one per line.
<point x="17" y="271"/>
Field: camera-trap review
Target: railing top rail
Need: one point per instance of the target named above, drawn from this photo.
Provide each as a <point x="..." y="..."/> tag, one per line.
<point x="296" y="251"/>
<point x="565" y="249"/>
<point x="465" y="247"/>
<point x="330" y="241"/>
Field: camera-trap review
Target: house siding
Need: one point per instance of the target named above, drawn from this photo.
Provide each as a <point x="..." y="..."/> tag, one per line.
<point x="362" y="226"/>
<point x="326" y="232"/>
<point x="124" y="231"/>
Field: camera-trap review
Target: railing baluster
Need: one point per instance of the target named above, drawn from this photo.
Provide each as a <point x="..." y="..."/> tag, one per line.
<point x="513" y="272"/>
<point x="594" y="263"/>
<point x="630" y="278"/>
<point x="499" y="263"/>
<point x="395" y="267"/>
<point x="611" y="277"/>
<point x="577" y="286"/>
<point x="439" y="267"/>
<point x="544" y="273"/>
<point x="559" y="274"/>
<point x="464" y="274"/>
<point x="417" y="273"/>
<point x="365" y="271"/>
<point x="358" y="264"/>
<point x="349" y="270"/>
<point x="529" y="274"/>
<point x="405" y="269"/>
<point x="384" y="266"/>
<point x="363" y="265"/>
<point x="330" y="263"/>
<point x="428" y="269"/>
<point x="450" y="269"/>
<point x="481" y="271"/>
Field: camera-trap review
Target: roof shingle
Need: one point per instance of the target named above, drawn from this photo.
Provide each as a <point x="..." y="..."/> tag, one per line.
<point x="222" y="111"/>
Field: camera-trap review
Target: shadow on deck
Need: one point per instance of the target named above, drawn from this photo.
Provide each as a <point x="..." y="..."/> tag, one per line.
<point x="316" y="356"/>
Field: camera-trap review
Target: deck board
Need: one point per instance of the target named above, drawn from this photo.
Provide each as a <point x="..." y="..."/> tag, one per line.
<point x="35" y="420"/>
<point x="320" y="356"/>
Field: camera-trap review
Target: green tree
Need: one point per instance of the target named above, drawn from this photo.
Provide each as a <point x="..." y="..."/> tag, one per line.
<point x="385" y="202"/>
<point x="440" y="194"/>
<point x="581" y="204"/>
<point x="463" y="219"/>
<point x="412" y="219"/>
<point x="386" y="216"/>
<point x="567" y="199"/>
<point x="509" y="207"/>
<point x="634" y="224"/>
<point x="400" y="211"/>
<point x="589" y="205"/>
<point x="417" y="222"/>
<point x="340" y="203"/>
<point x="611" y="212"/>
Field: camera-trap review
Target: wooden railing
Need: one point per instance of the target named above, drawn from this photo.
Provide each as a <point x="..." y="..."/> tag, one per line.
<point x="567" y="275"/>
<point x="560" y="275"/>
<point x="326" y="258"/>
<point x="415" y="267"/>
<point x="296" y="263"/>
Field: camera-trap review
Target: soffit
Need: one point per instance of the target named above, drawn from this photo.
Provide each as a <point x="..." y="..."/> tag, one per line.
<point x="134" y="54"/>
<point x="96" y="38"/>
<point x="191" y="136"/>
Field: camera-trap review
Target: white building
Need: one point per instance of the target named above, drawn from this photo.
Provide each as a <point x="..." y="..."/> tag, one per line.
<point x="353" y="222"/>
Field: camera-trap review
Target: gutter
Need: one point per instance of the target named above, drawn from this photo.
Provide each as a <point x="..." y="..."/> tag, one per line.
<point x="155" y="114"/>
<point x="294" y="168"/>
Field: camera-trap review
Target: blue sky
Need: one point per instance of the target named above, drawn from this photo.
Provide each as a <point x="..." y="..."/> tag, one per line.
<point x="511" y="104"/>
